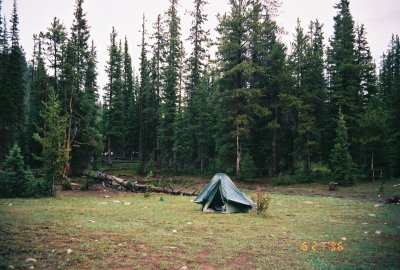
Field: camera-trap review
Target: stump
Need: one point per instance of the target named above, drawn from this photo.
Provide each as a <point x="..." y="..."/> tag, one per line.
<point x="333" y="186"/>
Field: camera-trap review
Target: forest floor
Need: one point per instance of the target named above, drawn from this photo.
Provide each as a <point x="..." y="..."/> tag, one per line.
<point x="104" y="228"/>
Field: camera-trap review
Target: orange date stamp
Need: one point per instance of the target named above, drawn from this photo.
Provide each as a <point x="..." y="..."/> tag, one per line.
<point x="322" y="246"/>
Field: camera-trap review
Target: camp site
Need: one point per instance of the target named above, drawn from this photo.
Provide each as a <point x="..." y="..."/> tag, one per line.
<point x="199" y="135"/>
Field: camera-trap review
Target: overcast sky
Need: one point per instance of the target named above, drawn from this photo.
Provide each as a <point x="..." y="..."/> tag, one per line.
<point x="381" y="19"/>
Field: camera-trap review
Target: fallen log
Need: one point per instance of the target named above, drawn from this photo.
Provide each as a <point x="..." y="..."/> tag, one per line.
<point x="114" y="180"/>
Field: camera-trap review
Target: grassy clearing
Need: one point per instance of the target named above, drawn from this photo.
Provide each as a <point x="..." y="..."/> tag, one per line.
<point x="154" y="234"/>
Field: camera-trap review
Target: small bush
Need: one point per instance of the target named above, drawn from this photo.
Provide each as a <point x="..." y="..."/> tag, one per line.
<point x="16" y="180"/>
<point x="161" y="199"/>
<point x="146" y="194"/>
<point x="88" y="182"/>
<point x="282" y="181"/>
<point x="66" y="184"/>
<point x="129" y="185"/>
<point x="262" y="201"/>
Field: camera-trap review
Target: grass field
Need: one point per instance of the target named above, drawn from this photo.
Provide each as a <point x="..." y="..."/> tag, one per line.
<point x="133" y="232"/>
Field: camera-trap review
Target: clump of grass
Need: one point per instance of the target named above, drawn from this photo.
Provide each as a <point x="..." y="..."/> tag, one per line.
<point x="146" y="194"/>
<point x="161" y="199"/>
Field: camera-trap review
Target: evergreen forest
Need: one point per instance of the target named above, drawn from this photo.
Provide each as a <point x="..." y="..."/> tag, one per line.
<point x="255" y="108"/>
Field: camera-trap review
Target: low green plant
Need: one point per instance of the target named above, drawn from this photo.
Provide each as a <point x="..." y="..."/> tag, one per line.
<point x="161" y="199"/>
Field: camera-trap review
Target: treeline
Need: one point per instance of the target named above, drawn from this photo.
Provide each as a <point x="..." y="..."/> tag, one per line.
<point x="256" y="108"/>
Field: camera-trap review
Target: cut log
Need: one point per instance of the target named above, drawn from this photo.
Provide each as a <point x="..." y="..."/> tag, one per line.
<point x="113" y="180"/>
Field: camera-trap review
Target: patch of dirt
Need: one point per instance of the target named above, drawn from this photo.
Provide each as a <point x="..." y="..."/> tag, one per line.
<point x="242" y="261"/>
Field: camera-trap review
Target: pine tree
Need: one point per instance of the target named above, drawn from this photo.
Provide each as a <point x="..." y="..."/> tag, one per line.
<point x="234" y="65"/>
<point x="343" y="73"/>
<point x="16" y="180"/>
<point x="38" y="95"/>
<point x="390" y="93"/>
<point x="171" y="84"/>
<point x="366" y="65"/>
<point x="114" y="99"/>
<point x="268" y="51"/>
<point x="310" y="89"/>
<point x="13" y="86"/>
<point x="56" y="37"/>
<point x="197" y="85"/>
<point x="52" y="140"/>
<point x="341" y="162"/>
<point x="157" y="66"/>
<point x="147" y="100"/>
<point x="183" y="143"/>
<point x="72" y="85"/>
<point x="88" y="139"/>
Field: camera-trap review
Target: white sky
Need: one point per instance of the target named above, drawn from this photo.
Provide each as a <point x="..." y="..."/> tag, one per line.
<point x="381" y="19"/>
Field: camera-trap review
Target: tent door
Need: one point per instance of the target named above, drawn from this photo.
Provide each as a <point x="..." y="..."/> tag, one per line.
<point x="215" y="202"/>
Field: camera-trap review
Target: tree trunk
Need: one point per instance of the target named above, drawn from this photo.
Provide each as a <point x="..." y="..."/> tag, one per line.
<point x="109" y="161"/>
<point x="238" y="153"/>
<point x="372" y="167"/>
<point x="66" y="167"/>
<point x="308" y="156"/>
<point x="201" y="161"/>
<point x="274" y="154"/>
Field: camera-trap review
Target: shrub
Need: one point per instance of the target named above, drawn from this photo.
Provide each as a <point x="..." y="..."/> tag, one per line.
<point x="262" y="201"/>
<point x="283" y="181"/>
<point x="66" y="184"/>
<point x="129" y="185"/>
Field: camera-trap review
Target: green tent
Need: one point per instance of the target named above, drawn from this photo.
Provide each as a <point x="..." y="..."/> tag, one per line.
<point x="222" y="195"/>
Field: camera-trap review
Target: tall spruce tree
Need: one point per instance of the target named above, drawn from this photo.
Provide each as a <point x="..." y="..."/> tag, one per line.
<point x="38" y="95"/>
<point x="341" y="162"/>
<point x="197" y="85"/>
<point x="390" y="93"/>
<point x="13" y="85"/>
<point x="114" y="99"/>
<point x="157" y="66"/>
<point x="272" y="77"/>
<point x="343" y="74"/>
<point x="170" y="84"/>
<point x="128" y="89"/>
<point x="147" y="105"/>
<point x="56" y="38"/>
<point x="308" y="69"/>
<point x="239" y="98"/>
<point x="87" y="140"/>
<point x="367" y="68"/>
<point x="72" y="86"/>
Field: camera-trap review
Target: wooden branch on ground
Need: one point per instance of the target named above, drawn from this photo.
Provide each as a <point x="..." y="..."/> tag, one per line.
<point x="117" y="181"/>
